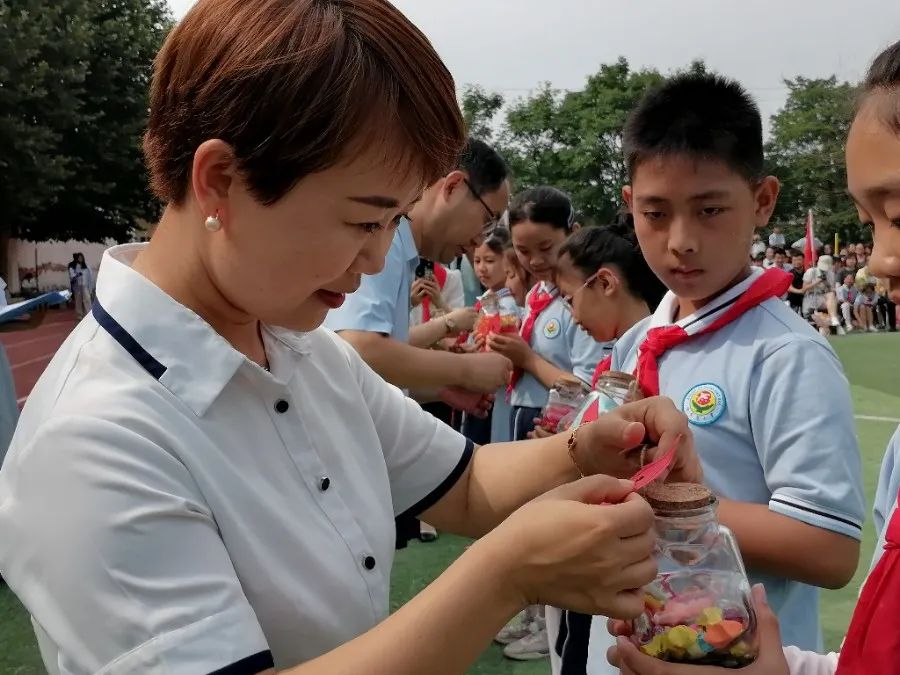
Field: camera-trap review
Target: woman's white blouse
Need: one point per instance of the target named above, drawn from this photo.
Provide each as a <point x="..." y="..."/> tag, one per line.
<point x="167" y="506"/>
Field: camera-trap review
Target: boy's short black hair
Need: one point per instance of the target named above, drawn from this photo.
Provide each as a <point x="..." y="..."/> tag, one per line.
<point x="779" y="250"/>
<point x="705" y="116"/>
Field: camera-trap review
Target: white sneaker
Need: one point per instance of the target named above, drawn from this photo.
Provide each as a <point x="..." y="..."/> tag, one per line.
<point x="840" y="330"/>
<point x="516" y="629"/>
<point x="532" y="647"/>
<point x="872" y="329"/>
<point x="835" y="322"/>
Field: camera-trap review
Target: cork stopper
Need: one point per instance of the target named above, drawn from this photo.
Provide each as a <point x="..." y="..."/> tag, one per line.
<point x="678" y="497"/>
<point x="618" y="377"/>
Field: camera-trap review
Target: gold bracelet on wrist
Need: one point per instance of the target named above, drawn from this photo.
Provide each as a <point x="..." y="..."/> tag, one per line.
<point x="571" y="444"/>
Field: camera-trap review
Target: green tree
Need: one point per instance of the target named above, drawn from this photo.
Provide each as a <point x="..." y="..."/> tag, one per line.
<point x="480" y="107"/>
<point x="806" y="152"/>
<point x="74" y="77"/>
<point x="573" y="140"/>
<point x="108" y="190"/>
<point x="43" y="66"/>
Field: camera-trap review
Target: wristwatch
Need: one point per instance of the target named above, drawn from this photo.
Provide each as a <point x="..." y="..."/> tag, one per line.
<point x="450" y="325"/>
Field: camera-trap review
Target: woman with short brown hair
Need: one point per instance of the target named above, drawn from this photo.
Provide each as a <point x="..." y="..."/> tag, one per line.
<point x="205" y="480"/>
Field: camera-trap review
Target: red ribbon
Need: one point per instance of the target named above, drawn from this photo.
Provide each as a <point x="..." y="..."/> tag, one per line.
<point x="538" y="301"/>
<point x="773" y="283"/>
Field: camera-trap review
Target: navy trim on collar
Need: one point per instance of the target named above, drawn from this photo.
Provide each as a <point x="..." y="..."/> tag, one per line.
<point x="120" y="335"/>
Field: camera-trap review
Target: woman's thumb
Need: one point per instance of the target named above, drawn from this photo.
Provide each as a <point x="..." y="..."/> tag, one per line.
<point x="597" y="489"/>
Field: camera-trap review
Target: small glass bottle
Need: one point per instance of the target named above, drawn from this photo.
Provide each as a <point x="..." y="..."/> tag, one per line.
<point x="565" y="397"/>
<point x="613" y="389"/>
<point x="509" y="320"/>
<point x="698" y="609"/>
<point x="488" y="316"/>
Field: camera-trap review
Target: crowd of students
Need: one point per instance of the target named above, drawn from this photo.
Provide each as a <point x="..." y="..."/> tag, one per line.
<point x="837" y="294"/>
<point x="279" y="451"/>
<point x="668" y="292"/>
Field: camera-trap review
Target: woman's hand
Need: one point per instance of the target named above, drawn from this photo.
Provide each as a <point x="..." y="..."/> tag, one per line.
<point x="464" y="318"/>
<point x="471" y="402"/>
<point x="512" y="347"/>
<point x="770" y="661"/>
<point x="539" y="431"/>
<point x="569" y="549"/>
<point x="422" y="288"/>
<point x="605" y="445"/>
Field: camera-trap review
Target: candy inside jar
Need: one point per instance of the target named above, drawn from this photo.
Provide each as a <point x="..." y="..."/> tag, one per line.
<point x="698" y="609"/>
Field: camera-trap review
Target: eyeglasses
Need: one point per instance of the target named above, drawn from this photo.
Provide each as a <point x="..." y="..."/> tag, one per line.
<point x="569" y="300"/>
<point x="489" y="226"/>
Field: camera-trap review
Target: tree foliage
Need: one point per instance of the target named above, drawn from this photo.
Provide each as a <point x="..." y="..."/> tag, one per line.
<point x="74" y="77"/>
<point x="572" y="140"/>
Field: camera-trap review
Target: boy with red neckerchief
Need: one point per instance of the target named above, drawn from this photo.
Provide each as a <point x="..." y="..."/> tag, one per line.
<point x="766" y="396"/>
<point x="872" y="644"/>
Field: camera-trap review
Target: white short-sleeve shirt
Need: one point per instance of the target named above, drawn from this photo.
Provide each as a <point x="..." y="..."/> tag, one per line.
<point x="772" y="419"/>
<point x="168" y="506"/>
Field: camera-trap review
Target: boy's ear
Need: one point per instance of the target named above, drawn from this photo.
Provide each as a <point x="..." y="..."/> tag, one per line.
<point x="766" y="197"/>
<point x="628" y="197"/>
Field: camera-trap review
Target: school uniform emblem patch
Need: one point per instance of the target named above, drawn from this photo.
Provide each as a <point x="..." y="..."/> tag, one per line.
<point x="704" y="404"/>
<point x="551" y="330"/>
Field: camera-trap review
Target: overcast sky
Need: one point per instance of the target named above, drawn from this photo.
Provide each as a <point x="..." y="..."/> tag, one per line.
<point x="513" y="45"/>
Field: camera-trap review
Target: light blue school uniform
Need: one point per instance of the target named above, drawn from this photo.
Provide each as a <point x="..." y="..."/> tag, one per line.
<point x="381" y="304"/>
<point x="558" y="339"/>
<point x="887" y="492"/>
<point x="772" y="418"/>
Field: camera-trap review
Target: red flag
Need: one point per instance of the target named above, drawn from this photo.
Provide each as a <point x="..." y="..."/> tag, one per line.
<point x="809" y="254"/>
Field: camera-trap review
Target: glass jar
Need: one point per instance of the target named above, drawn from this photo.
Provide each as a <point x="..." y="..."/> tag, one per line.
<point x="488" y="320"/>
<point x="612" y="390"/>
<point x="698" y="609"/>
<point x="509" y="321"/>
<point x="565" y="398"/>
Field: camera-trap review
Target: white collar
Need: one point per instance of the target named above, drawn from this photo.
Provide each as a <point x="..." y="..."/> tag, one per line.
<point x="170" y="341"/>
<point x="704" y="316"/>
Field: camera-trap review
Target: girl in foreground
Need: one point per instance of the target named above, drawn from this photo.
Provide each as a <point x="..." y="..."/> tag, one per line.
<point x="872" y="645"/>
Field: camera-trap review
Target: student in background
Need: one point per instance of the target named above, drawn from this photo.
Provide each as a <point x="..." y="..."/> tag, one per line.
<point x="776" y="239"/>
<point x="821" y="303"/>
<point x="758" y="247"/>
<point x="82" y="280"/>
<point x="791" y="494"/>
<point x="551" y="346"/>
<point x="798" y="287"/>
<point x="605" y="280"/>
<point x="518" y="280"/>
<point x="846" y="295"/>
<point x="873" y="639"/>
<point x="490" y="270"/>
<point x="885" y="308"/>
<point x="864" y="308"/>
<point x="780" y="260"/>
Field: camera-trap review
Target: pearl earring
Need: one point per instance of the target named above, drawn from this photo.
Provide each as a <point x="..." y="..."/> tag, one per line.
<point x="213" y="224"/>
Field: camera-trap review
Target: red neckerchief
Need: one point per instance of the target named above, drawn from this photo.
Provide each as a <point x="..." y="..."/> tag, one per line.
<point x="773" y="283"/>
<point x="538" y="300"/>
<point x="872" y="646"/>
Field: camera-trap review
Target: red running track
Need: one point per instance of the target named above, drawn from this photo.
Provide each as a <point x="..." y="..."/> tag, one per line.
<point x="29" y="351"/>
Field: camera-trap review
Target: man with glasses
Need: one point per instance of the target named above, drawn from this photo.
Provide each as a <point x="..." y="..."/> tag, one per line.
<point x="452" y="218"/>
